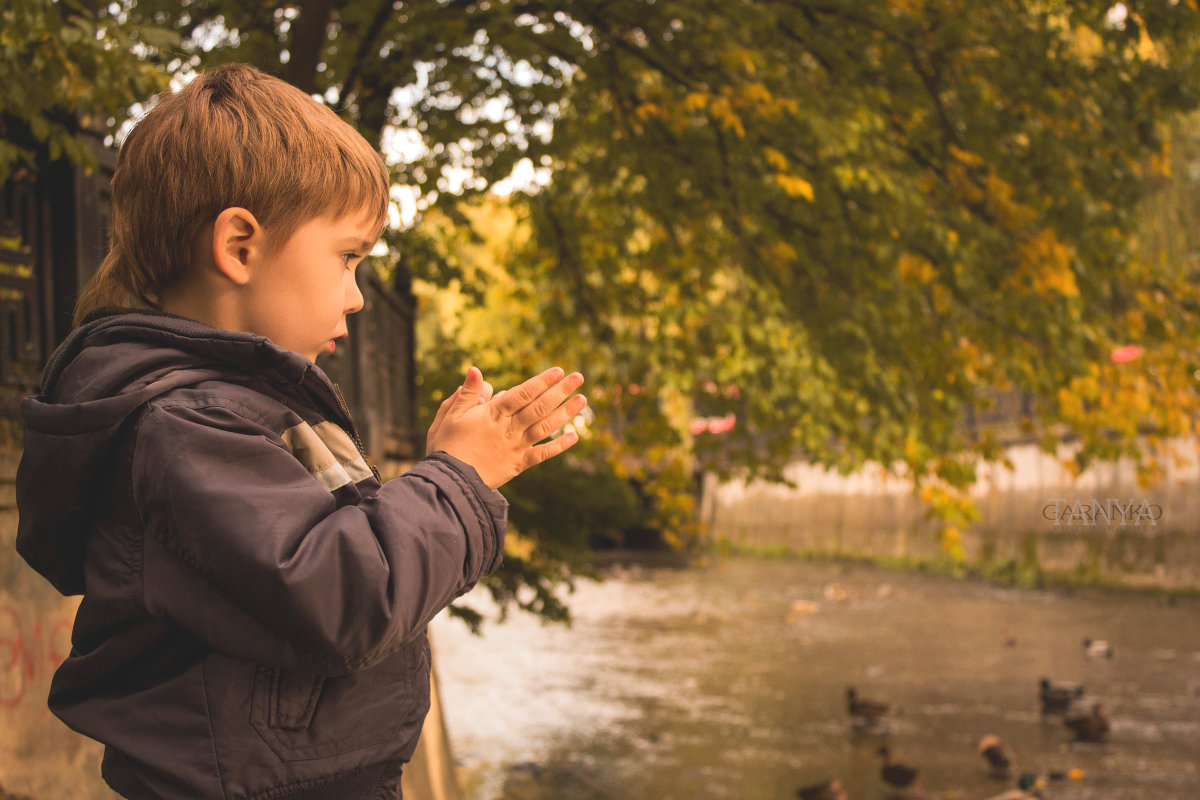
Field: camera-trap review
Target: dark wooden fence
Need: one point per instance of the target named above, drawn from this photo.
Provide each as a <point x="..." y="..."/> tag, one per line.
<point x="376" y="371"/>
<point x="53" y="233"/>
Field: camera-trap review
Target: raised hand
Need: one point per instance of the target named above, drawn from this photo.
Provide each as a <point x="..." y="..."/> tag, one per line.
<point x="499" y="435"/>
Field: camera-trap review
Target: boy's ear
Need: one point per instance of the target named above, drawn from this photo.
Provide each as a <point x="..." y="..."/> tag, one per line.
<point x="237" y="239"/>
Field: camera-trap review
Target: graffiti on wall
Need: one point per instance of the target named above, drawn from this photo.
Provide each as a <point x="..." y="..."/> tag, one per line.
<point x="31" y="648"/>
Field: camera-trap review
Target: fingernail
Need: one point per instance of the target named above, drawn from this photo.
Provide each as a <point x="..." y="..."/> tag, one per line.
<point x="557" y="372"/>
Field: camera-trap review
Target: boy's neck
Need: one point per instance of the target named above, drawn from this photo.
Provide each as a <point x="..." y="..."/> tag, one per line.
<point x="212" y="308"/>
<point x="202" y="294"/>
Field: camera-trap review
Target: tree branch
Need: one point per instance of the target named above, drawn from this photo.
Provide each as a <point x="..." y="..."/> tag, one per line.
<point x="307" y="39"/>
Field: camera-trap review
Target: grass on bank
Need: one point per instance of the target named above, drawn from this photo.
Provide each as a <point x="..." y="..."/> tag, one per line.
<point x="1025" y="573"/>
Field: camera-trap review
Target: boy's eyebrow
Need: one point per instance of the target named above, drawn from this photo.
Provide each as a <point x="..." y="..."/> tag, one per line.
<point x="358" y="244"/>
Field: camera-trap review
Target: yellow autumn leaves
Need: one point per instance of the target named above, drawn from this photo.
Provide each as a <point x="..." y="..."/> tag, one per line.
<point x="1044" y="267"/>
<point x="793" y="185"/>
<point x="732" y="109"/>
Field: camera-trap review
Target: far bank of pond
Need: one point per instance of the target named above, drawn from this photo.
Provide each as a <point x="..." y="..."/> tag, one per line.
<point x="1036" y="517"/>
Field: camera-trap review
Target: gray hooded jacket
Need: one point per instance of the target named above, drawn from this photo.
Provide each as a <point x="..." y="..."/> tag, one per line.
<point x="254" y="602"/>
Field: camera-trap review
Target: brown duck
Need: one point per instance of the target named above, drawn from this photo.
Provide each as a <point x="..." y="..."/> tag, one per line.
<point x="895" y="774"/>
<point x="863" y="709"/>
<point x="1089" y="726"/>
<point x="1057" y="697"/>
<point x="998" y="754"/>
<point x="825" y="790"/>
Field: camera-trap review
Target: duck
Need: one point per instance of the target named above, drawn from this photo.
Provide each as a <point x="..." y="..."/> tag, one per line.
<point x="1089" y="726"/>
<point x="895" y="774"/>
<point x="863" y="709"/>
<point x="825" y="790"/>
<point x="998" y="754"/>
<point x="1017" y="794"/>
<point x="1057" y="697"/>
<point x="1097" y="648"/>
<point x="1029" y="787"/>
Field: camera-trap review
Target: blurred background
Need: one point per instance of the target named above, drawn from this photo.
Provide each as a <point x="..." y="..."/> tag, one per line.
<point x="889" y="317"/>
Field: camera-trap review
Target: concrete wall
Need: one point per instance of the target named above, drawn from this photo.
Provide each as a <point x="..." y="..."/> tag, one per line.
<point x="42" y="759"/>
<point x="39" y="756"/>
<point x="870" y="514"/>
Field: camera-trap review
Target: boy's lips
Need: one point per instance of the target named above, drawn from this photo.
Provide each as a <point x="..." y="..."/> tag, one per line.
<point x="333" y="343"/>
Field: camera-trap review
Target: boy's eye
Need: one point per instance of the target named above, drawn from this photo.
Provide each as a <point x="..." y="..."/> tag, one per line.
<point x="348" y="257"/>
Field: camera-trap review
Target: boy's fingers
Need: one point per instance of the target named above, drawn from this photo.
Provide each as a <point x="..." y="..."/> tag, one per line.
<point x="443" y="408"/>
<point x="552" y="422"/>
<point x="544" y="405"/>
<point x="472" y="386"/>
<point x="537" y="397"/>
<point x="550" y="449"/>
<point x="525" y="393"/>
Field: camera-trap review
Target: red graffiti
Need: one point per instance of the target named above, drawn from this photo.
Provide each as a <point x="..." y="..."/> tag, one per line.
<point x="28" y="652"/>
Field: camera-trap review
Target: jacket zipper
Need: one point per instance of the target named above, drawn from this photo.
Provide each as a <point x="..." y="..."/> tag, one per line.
<point x="362" y="451"/>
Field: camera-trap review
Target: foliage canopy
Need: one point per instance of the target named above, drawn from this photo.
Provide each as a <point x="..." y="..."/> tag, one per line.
<point x="63" y="66"/>
<point x="851" y="224"/>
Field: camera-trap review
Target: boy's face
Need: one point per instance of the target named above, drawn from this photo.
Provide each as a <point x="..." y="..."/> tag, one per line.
<point x="302" y="292"/>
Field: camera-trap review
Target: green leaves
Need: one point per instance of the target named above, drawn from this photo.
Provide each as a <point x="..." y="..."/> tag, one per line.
<point x="63" y="67"/>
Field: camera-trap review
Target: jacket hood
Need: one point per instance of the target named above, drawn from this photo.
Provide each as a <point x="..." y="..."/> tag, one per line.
<point x="93" y="385"/>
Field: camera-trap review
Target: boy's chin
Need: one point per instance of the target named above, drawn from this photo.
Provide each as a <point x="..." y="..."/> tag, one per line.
<point x="324" y="352"/>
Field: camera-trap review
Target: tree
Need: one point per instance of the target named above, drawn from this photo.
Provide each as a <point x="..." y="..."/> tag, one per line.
<point x="847" y="223"/>
<point x="64" y="65"/>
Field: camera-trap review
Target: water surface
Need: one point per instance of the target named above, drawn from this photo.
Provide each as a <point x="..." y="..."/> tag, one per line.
<point x="729" y="682"/>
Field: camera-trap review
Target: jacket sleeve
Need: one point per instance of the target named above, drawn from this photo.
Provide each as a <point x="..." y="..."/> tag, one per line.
<point x="247" y="551"/>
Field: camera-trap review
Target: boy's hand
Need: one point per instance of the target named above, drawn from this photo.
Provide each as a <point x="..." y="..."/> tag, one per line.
<point x="499" y="436"/>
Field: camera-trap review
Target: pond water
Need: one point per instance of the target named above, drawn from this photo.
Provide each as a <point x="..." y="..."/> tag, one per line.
<point x="729" y="681"/>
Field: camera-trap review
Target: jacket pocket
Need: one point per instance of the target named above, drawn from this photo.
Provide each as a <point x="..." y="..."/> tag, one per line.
<point x="305" y="717"/>
<point x="291" y="697"/>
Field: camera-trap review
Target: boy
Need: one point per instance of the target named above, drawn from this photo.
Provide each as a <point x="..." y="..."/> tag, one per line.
<point x="254" y="601"/>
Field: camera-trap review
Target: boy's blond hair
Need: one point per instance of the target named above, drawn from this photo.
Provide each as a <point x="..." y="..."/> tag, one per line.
<point x="234" y="136"/>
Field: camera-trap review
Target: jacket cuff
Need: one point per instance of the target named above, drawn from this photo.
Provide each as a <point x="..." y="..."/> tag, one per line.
<point x="490" y="501"/>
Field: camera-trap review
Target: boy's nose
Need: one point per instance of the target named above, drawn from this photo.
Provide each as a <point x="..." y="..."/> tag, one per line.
<point x="354" y="297"/>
